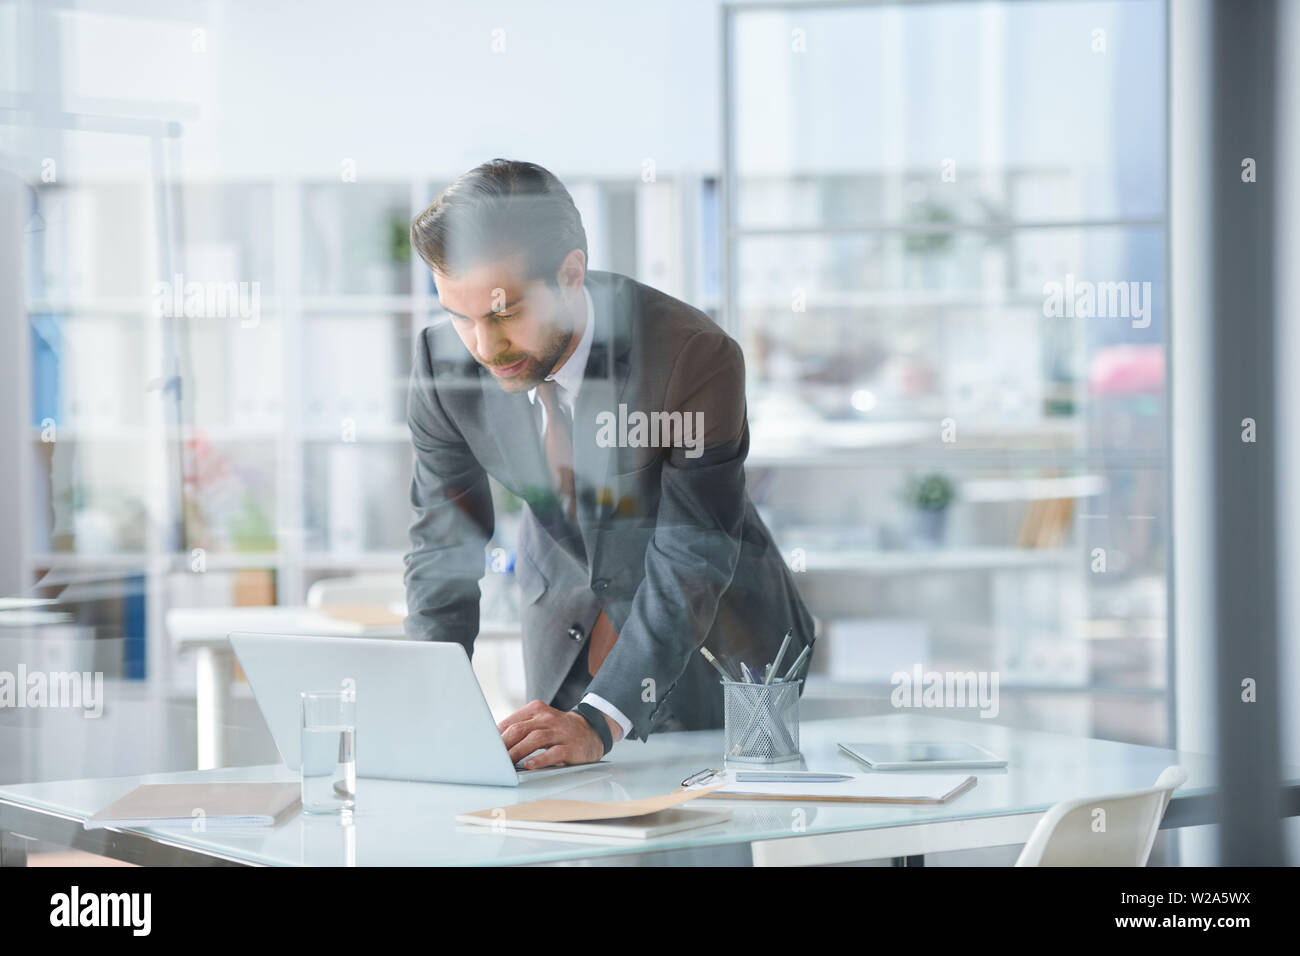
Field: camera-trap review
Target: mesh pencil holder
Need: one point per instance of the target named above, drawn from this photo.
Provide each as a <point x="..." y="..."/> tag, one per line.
<point x="760" y="721"/>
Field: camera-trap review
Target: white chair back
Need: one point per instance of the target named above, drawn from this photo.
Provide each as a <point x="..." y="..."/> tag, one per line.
<point x="1115" y="830"/>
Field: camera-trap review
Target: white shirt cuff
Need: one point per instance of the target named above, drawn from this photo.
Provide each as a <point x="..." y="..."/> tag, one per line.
<point x="605" y="707"/>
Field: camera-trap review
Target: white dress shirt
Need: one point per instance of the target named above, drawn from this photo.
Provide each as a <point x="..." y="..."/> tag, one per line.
<point x="568" y="380"/>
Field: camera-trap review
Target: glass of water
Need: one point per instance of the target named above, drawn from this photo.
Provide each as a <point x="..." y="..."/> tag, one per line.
<point x="329" y="751"/>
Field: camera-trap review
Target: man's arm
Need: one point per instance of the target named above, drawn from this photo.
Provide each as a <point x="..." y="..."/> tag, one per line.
<point x="452" y="518"/>
<point x="696" y="543"/>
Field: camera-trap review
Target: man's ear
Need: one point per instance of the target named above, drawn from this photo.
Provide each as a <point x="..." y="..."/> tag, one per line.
<point x="572" y="272"/>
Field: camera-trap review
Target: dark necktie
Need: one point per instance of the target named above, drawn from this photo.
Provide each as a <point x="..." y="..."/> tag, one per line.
<point x="558" y="443"/>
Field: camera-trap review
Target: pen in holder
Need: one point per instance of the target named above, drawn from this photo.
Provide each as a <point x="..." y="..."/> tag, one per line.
<point x="760" y="721"/>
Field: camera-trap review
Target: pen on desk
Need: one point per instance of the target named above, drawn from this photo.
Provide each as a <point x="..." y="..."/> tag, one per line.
<point x="780" y="655"/>
<point x="798" y="662"/>
<point x="716" y="666"/>
<point x="776" y="776"/>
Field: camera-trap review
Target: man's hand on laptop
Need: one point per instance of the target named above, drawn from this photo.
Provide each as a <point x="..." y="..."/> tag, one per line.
<point x="564" y="737"/>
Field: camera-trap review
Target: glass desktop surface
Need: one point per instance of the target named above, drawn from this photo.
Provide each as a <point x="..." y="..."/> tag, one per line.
<point x="399" y="823"/>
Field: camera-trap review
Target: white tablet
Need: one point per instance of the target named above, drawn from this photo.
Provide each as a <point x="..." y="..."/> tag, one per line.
<point x="923" y="756"/>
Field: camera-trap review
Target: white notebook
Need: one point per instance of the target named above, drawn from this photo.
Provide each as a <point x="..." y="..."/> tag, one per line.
<point x="644" y="827"/>
<point x="215" y="804"/>
<point x="859" y="788"/>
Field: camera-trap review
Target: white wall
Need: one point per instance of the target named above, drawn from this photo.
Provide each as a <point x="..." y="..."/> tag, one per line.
<point x="593" y="87"/>
<point x="404" y="87"/>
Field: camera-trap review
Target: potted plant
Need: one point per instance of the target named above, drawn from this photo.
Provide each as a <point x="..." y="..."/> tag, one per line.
<point x="929" y="496"/>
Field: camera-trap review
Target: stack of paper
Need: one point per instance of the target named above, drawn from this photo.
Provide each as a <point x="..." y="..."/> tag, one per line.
<point x="859" y="788"/>
<point x="611" y="819"/>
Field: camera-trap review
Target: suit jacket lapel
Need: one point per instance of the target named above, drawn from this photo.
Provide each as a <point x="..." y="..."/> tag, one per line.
<point x="603" y="383"/>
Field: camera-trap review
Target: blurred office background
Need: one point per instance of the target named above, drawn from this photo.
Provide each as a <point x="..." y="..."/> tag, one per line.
<point x="870" y="197"/>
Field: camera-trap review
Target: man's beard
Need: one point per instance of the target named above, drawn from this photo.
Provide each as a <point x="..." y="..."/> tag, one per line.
<point x="538" y="367"/>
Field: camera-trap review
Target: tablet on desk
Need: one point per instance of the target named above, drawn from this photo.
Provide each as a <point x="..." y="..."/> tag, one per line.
<point x="923" y="756"/>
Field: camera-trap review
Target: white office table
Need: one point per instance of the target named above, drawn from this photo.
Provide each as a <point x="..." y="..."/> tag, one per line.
<point x="400" y="823"/>
<point x="206" y="632"/>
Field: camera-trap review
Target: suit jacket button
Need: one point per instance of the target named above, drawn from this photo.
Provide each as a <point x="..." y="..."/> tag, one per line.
<point x="600" y="584"/>
<point x="575" y="633"/>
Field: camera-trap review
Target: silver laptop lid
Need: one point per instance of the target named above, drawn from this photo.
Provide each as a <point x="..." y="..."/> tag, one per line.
<point x="421" y="714"/>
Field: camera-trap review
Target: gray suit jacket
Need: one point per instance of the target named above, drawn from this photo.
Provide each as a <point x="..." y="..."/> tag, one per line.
<point x="666" y="541"/>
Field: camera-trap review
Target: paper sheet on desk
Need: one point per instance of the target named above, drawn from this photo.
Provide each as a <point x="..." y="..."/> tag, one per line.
<point x="863" y="788"/>
<point x="565" y="811"/>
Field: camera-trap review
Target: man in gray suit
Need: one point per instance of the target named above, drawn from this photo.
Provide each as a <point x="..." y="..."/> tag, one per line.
<point x="617" y="414"/>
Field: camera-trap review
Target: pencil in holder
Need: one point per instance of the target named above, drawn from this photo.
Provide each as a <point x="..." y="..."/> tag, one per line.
<point x="760" y="721"/>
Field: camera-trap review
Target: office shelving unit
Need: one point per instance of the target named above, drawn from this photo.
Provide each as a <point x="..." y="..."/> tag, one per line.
<point x="847" y="252"/>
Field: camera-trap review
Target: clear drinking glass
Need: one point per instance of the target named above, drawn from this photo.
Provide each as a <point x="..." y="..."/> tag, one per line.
<point x="329" y="751"/>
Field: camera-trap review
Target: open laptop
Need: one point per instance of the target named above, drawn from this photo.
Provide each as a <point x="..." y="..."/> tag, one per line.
<point x="421" y="714"/>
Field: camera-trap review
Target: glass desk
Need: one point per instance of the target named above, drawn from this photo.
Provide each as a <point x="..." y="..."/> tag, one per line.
<point x="400" y="823"/>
